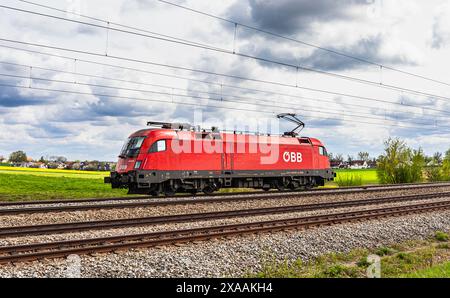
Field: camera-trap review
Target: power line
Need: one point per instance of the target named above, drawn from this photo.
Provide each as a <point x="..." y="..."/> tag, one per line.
<point x="191" y="79"/>
<point x="306" y="43"/>
<point x="235" y="23"/>
<point x="304" y="108"/>
<point x="226" y="51"/>
<point x="225" y="75"/>
<point x="368" y="115"/>
<point x="210" y="106"/>
<point x="109" y="22"/>
<point x="183" y="78"/>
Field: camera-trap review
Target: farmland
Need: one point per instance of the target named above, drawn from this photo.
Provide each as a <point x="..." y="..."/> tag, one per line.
<point x="365" y="177"/>
<point x="38" y="184"/>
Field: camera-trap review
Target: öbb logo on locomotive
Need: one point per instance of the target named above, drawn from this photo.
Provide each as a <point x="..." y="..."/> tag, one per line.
<point x="292" y="156"/>
<point x="149" y="162"/>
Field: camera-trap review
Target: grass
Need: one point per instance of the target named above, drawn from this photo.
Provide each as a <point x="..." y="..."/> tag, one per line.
<point x="54" y="172"/>
<point x="439" y="271"/>
<point x="38" y="184"/>
<point x="345" y="180"/>
<point x="420" y="258"/>
<point x="441" y="236"/>
<point x="354" y="177"/>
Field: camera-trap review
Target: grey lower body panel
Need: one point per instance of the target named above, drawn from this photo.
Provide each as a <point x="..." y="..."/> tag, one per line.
<point x="147" y="178"/>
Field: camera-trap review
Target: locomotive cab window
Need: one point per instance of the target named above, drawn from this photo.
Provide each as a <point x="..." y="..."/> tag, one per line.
<point x="322" y="151"/>
<point x="131" y="147"/>
<point x="158" y="146"/>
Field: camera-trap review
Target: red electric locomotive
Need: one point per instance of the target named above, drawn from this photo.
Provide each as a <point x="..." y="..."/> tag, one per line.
<point x="177" y="157"/>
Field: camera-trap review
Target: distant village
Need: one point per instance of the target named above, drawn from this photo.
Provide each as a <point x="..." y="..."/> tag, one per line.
<point x="20" y="159"/>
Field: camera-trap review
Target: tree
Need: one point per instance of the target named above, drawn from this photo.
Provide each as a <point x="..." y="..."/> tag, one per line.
<point x="61" y="159"/>
<point x="350" y="159"/>
<point x="437" y="158"/>
<point x="18" y="156"/>
<point x="42" y="159"/>
<point x="330" y="156"/>
<point x="363" y="156"/>
<point x="58" y="159"/>
<point x="339" y="157"/>
<point x="446" y="166"/>
<point x="400" y="164"/>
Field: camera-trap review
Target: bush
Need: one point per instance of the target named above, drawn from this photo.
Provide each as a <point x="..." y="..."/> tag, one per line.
<point x="363" y="263"/>
<point x="384" y="251"/>
<point x="400" y="164"/>
<point x="349" y="180"/>
<point x="433" y="174"/>
<point x="338" y="270"/>
<point x="446" y="166"/>
<point x="441" y="236"/>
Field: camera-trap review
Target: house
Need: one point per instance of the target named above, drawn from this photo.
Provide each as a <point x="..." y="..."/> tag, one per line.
<point x="359" y="164"/>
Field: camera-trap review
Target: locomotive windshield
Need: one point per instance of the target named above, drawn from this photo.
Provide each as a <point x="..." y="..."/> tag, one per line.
<point x="131" y="147"/>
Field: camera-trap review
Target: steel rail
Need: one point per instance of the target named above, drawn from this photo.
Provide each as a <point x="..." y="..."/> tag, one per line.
<point x="144" y="197"/>
<point x="114" y="243"/>
<point x="222" y="199"/>
<point x="19" y="231"/>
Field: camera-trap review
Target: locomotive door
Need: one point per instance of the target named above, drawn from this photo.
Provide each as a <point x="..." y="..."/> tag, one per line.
<point x="228" y="158"/>
<point x="315" y="160"/>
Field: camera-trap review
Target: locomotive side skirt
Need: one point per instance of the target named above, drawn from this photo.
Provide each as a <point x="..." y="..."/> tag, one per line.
<point x="141" y="181"/>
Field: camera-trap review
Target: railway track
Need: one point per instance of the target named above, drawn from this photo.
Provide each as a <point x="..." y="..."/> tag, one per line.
<point x="149" y="198"/>
<point x="180" y="201"/>
<point x="32" y="252"/>
<point x="189" y="217"/>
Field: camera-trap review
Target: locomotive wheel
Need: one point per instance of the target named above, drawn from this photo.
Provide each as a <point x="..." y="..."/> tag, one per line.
<point x="192" y="191"/>
<point x="169" y="192"/>
<point x="154" y="193"/>
<point x="279" y="186"/>
<point x="208" y="190"/>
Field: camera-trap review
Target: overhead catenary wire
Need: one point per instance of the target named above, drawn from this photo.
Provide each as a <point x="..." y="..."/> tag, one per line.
<point x="304" y="108"/>
<point x="227" y="51"/>
<point x="339" y="53"/>
<point x="220" y="85"/>
<point x="172" y="88"/>
<point x="271" y="112"/>
<point x="403" y="104"/>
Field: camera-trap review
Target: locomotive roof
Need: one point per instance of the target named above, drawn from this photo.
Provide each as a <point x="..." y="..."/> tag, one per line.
<point x="188" y="135"/>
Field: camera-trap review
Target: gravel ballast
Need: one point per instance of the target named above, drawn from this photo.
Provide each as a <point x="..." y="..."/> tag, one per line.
<point x="239" y="256"/>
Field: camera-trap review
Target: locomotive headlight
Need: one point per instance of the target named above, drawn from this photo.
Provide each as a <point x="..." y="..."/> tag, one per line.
<point x="137" y="165"/>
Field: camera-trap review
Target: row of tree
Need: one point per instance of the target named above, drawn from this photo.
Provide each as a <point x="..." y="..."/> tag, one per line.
<point x="53" y="162"/>
<point x="21" y="156"/>
<point x="339" y="158"/>
<point x="402" y="164"/>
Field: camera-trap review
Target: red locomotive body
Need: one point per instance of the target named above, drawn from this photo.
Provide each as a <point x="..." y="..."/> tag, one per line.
<point x="171" y="159"/>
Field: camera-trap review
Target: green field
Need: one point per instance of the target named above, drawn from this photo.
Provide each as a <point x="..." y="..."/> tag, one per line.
<point x="366" y="176"/>
<point x="37" y="184"/>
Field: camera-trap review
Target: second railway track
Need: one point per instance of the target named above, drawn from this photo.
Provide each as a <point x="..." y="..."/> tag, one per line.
<point x="189" y="217"/>
<point x="32" y="252"/>
<point x="89" y="204"/>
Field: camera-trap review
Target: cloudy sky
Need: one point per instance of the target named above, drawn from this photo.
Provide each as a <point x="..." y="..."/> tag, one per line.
<point x="76" y="88"/>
